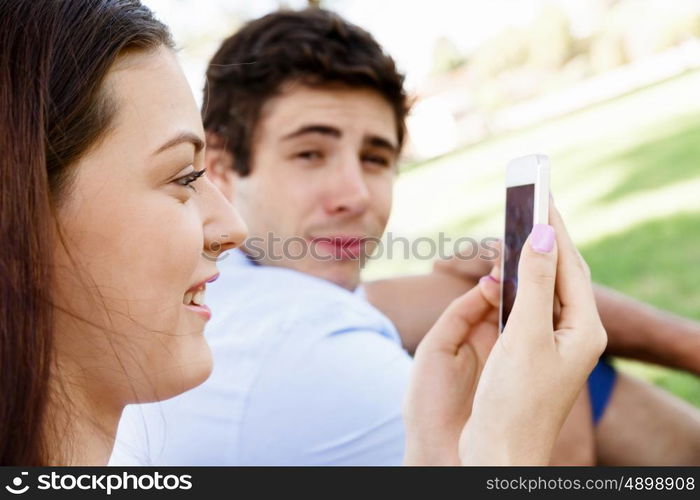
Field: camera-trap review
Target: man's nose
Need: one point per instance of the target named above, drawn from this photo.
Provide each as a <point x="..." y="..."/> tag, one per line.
<point x="348" y="192"/>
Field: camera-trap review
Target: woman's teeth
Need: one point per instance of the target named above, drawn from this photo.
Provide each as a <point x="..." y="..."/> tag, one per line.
<point x="196" y="298"/>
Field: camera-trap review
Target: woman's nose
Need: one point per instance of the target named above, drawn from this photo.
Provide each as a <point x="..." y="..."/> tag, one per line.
<point x="223" y="227"/>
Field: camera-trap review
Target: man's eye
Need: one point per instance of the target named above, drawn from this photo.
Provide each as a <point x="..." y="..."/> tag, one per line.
<point x="188" y="179"/>
<point x="309" y="155"/>
<point x="376" y="159"/>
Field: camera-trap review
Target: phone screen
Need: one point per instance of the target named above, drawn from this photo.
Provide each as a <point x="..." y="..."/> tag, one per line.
<point x="520" y="206"/>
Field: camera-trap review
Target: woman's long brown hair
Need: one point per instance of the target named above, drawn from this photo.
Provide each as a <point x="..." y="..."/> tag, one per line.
<point x="54" y="56"/>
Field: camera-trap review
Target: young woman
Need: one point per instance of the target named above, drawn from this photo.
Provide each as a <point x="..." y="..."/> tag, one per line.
<point x="106" y="226"/>
<point x="110" y="234"/>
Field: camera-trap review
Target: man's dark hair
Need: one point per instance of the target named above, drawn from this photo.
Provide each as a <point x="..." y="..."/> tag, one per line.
<point x="314" y="47"/>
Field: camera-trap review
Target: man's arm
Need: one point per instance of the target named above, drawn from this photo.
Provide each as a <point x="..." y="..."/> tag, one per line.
<point x="635" y="330"/>
<point x="640" y="331"/>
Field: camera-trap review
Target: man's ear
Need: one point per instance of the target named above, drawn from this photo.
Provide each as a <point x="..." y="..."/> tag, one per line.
<point x="219" y="165"/>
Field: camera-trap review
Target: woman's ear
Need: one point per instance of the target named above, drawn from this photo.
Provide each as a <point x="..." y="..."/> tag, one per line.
<point x="219" y="165"/>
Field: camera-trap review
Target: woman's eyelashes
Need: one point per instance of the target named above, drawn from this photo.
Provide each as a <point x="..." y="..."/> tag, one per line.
<point x="187" y="180"/>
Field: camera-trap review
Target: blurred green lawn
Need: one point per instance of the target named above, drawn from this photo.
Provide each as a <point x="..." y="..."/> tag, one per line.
<point x="655" y="262"/>
<point x="626" y="177"/>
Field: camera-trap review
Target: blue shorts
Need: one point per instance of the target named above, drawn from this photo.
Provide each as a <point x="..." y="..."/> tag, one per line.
<point x="600" y="385"/>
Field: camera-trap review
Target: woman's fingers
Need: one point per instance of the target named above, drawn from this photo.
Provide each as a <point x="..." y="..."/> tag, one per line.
<point x="491" y="289"/>
<point x="579" y="313"/>
<point x="532" y="310"/>
<point x="490" y="284"/>
<point x="452" y="328"/>
<point x="574" y="289"/>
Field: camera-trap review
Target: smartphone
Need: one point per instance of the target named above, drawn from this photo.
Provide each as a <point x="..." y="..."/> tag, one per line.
<point x="527" y="204"/>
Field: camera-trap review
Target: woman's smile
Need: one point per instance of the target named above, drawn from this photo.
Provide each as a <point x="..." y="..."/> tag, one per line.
<point x="194" y="298"/>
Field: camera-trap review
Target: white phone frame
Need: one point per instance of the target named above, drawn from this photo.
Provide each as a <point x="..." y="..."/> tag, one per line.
<point x="531" y="169"/>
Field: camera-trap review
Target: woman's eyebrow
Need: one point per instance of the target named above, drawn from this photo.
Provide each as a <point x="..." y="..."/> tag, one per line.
<point x="186" y="136"/>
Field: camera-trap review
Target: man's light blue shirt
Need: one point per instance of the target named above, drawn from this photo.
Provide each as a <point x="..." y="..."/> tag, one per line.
<point x="305" y="373"/>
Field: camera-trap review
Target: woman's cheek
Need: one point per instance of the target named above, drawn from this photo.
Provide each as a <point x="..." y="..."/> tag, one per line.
<point x="189" y="243"/>
<point x="177" y="243"/>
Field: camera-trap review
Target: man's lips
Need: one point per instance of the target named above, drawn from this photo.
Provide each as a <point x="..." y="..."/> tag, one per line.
<point x="341" y="247"/>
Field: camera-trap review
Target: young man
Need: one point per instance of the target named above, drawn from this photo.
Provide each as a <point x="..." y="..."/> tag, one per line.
<point x="305" y="121"/>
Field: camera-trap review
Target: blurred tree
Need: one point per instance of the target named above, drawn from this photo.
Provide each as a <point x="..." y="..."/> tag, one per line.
<point x="607" y="52"/>
<point x="550" y="43"/>
<point x="635" y="29"/>
<point x="505" y="51"/>
<point x="446" y="56"/>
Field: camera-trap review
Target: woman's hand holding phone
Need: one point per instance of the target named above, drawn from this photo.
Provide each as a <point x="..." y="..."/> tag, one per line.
<point x="446" y="369"/>
<point x="482" y="399"/>
<point x="536" y="368"/>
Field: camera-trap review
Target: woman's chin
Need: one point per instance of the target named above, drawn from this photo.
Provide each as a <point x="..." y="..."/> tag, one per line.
<point x="196" y="367"/>
<point x="201" y="371"/>
<point x="191" y="370"/>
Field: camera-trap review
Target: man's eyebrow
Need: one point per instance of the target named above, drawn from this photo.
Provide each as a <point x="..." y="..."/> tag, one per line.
<point x="190" y="137"/>
<point x="314" y="129"/>
<point x="373" y="140"/>
<point x="380" y="142"/>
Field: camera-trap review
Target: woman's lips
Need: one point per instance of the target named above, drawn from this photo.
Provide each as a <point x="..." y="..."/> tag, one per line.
<point x="202" y="284"/>
<point x="202" y="310"/>
<point x="194" y="298"/>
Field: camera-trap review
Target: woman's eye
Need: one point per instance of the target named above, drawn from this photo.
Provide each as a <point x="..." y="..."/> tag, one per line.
<point x="188" y="179"/>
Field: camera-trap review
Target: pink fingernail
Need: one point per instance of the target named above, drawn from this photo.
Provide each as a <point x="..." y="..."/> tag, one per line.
<point x="488" y="277"/>
<point x="542" y="238"/>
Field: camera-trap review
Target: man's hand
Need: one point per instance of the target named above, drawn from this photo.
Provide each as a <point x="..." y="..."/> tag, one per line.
<point x="467" y="266"/>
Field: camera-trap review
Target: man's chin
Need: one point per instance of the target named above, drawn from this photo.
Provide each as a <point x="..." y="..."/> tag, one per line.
<point x="344" y="273"/>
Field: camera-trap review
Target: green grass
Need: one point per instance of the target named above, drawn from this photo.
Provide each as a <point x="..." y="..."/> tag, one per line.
<point x="671" y="158"/>
<point x="656" y="261"/>
<point x="626" y="177"/>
